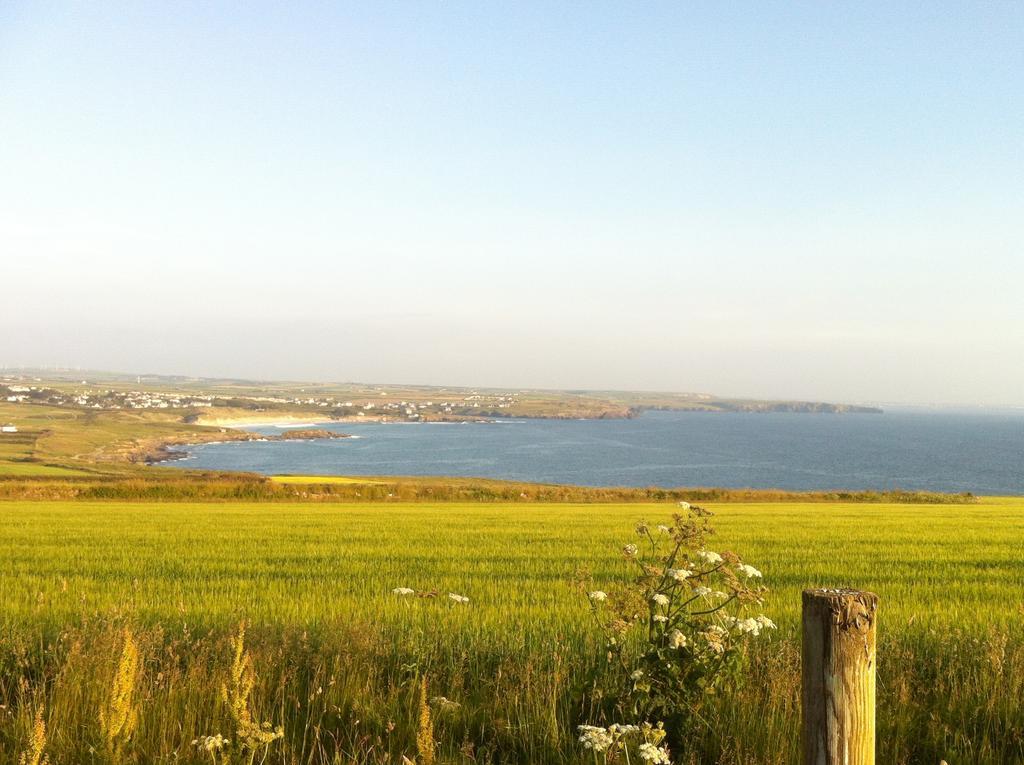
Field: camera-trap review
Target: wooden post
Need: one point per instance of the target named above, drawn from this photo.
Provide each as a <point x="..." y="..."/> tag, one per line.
<point x="838" y="676"/>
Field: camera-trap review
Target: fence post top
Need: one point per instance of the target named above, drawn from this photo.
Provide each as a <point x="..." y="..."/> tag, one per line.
<point x="840" y="594"/>
<point x="851" y="611"/>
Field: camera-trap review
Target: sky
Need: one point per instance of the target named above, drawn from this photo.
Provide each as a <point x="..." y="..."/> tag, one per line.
<point x="793" y="200"/>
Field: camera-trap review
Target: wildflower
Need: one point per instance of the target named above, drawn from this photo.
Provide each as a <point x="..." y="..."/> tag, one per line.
<point x="701" y="591"/>
<point x="653" y="754"/>
<point x="664" y="529"/>
<point x="403" y="591"/>
<point x="641" y="529"/>
<point x="637" y="674"/>
<point x="684" y="505"/>
<point x="660" y="618"/>
<point x="679" y="574"/>
<point x="598" y="596"/>
<point x="458" y="598"/>
<point x="37" y="743"/>
<point x="592" y="737"/>
<point x="119" y="712"/>
<point x="445" y="704"/>
<point x="629" y="550"/>
<point x="676" y="639"/>
<point x="709" y="557"/>
<point x="425" y="743"/>
<point x="660" y="598"/>
<point x="250" y="734"/>
<point x="750" y="571"/>
<point x="715" y="637"/>
<point x="751" y="626"/>
<point x="619" y="730"/>
<point x="211" y="743"/>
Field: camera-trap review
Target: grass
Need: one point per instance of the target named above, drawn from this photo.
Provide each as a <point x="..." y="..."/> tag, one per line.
<point x="35" y="469"/>
<point x="306" y="480"/>
<point x="128" y="482"/>
<point x="339" y="660"/>
<point x="18" y="456"/>
<point x="106" y="442"/>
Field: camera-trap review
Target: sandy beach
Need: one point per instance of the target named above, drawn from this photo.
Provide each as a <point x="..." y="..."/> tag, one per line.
<point x="283" y="420"/>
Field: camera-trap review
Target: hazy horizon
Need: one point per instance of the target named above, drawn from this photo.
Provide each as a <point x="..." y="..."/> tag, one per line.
<point x="788" y="201"/>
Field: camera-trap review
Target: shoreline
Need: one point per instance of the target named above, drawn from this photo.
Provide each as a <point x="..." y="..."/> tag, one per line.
<point x="177" y="450"/>
<point x="382" y="419"/>
<point x="311" y="419"/>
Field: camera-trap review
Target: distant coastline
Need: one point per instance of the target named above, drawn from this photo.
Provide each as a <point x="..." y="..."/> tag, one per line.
<point x="299" y="419"/>
<point x="175" y="450"/>
<point x="762" y="407"/>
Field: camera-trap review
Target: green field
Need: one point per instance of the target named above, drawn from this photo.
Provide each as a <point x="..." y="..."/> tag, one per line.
<point x="338" y="658"/>
<point x="18" y="458"/>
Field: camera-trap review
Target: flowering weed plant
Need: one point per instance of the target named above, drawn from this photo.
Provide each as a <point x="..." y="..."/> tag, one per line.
<point x="675" y="633"/>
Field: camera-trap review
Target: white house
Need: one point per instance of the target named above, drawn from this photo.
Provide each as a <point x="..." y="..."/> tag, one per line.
<point x="8" y="428"/>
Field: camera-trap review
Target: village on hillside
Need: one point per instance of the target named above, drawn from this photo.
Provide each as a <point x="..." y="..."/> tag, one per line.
<point x="85" y="396"/>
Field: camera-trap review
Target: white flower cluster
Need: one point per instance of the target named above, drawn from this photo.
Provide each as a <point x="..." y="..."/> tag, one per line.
<point x="630" y="550"/>
<point x="598" y="596"/>
<point x="750" y="571"/>
<point x="657" y="755"/>
<point x="709" y="557"/>
<point x="676" y="639"/>
<point x="458" y="598"/>
<point x="679" y="574"/>
<point x="599" y="739"/>
<point x="595" y="738"/>
<point x="751" y="625"/>
<point x="403" y="591"/>
<point x="660" y="599"/>
<point x="210" y="743"/>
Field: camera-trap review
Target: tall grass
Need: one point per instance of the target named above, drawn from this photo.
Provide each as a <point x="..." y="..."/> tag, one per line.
<point x="50" y="482"/>
<point x="341" y="664"/>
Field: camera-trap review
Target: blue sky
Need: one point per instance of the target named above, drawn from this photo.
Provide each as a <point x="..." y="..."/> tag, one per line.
<point x="790" y="200"/>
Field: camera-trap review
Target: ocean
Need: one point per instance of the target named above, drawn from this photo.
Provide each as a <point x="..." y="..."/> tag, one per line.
<point x="980" y="452"/>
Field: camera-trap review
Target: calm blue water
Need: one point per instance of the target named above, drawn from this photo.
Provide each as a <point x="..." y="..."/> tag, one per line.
<point x="981" y="453"/>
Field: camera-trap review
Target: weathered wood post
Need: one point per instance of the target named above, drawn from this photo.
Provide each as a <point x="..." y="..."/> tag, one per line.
<point x="838" y="676"/>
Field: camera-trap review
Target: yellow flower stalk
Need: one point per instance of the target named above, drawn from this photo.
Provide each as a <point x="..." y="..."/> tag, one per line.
<point x="37" y="743"/>
<point x="236" y="692"/>
<point x="425" y="744"/>
<point x="119" y="713"/>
